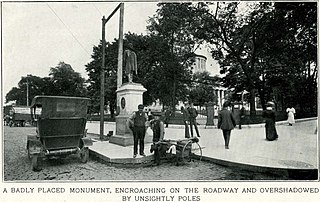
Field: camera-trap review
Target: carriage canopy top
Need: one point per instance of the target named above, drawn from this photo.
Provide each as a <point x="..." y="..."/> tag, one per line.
<point x="61" y="106"/>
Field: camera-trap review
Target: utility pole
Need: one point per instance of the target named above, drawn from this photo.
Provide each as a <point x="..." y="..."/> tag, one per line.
<point x="102" y="80"/>
<point x="27" y="92"/>
<point x="102" y="74"/>
<point x="28" y="75"/>
<point x="120" y="53"/>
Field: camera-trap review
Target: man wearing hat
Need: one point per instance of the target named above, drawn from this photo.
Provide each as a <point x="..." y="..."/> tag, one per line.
<point x="157" y="127"/>
<point x="138" y="122"/>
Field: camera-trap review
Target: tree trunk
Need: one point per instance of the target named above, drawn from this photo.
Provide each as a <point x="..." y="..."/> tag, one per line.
<point x="252" y="102"/>
<point x="173" y="104"/>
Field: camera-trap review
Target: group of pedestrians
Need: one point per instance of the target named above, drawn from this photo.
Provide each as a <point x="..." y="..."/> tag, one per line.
<point x="226" y="121"/>
<point x="140" y="121"/>
<point x="189" y="115"/>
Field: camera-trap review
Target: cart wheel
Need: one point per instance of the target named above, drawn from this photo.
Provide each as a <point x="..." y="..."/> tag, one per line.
<point x="84" y="155"/>
<point x="35" y="163"/>
<point x="189" y="150"/>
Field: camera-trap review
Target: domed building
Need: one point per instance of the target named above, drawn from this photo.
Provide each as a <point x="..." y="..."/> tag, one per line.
<point x="199" y="64"/>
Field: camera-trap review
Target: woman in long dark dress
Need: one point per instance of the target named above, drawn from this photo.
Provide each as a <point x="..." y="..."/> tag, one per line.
<point x="270" y="120"/>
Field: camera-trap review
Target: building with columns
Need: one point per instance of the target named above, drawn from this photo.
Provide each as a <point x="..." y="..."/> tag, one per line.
<point x="200" y="65"/>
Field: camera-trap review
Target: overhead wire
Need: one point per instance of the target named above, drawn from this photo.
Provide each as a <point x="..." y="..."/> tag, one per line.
<point x="97" y="9"/>
<point x="68" y="29"/>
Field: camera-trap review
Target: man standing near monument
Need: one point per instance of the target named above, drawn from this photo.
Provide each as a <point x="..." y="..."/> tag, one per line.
<point x="185" y="118"/>
<point x="138" y="126"/>
<point x="193" y="119"/>
<point x="130" y="59"/>
<point x="157" y="127"/>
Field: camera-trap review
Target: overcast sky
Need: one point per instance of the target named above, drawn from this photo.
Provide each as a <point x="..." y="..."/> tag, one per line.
<point x="37" y="36"/>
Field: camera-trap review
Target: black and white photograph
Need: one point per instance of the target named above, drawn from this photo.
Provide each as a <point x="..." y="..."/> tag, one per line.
<point x="159" y="92"/>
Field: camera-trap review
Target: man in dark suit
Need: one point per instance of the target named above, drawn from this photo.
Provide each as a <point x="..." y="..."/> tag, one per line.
<point x="138" y="122"/>
<point x="157" y="127"/>
<point x="193" y="119"/>
<point x="186" y="118"/>
<point x="226" y="122"/>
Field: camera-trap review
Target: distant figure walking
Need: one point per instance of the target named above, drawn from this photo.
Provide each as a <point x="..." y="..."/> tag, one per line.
<point x="186" y="117"/>
<point x="193" y="122"/>
<point x="291" y="112"/>
<point x="226" y="122"/>
<point x="242" y="116"/>
<point x="270" y="120"/>
<point x="138" y="125"/>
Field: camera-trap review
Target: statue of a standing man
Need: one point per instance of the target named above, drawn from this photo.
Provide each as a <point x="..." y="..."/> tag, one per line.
<point x="130" y="59"/>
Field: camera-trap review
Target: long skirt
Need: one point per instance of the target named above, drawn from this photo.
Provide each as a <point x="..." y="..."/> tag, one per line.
<point x="291" y="118"/>
<point x="271" y="132"/>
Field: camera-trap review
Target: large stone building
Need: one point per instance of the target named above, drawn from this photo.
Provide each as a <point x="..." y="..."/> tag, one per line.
<point x="201" y="64"/>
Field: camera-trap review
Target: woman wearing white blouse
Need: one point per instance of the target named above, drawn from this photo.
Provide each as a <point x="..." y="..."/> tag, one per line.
<point x="291" y="112"/>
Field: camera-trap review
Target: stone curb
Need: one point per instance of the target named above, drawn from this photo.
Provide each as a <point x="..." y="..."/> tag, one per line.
<point x="289" y="172"/>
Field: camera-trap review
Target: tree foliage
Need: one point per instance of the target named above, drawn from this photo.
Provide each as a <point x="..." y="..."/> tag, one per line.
<point x="110" y="72"/>
<point x="266" y="49"/>
<point x="175" y="23"/>
<point x="66" y="81"/>
<point x="203" y="88"/>
<point x="62" y="80"/>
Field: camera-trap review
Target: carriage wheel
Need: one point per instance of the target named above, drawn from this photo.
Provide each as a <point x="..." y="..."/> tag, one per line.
<point x="84" y="155"/>
<point x="189" y="150"/>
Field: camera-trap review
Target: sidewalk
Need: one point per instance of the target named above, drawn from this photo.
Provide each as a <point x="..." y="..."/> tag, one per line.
<point x="296" y="148"/>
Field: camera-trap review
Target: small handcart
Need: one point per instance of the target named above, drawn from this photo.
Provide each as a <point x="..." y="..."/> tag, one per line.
<point x="179" y="151"/>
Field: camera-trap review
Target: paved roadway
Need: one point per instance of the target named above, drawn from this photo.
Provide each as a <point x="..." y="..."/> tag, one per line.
<point x="17" y="167"/>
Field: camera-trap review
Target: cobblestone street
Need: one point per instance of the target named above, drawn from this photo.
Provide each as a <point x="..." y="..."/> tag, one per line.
<point x="17" y="167"/>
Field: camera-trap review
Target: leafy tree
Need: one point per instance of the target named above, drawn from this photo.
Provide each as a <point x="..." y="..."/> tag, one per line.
<point x="63" y="80"/>
<point x="175" y="23"/>
<point x="295" y="50"/>
<point x="66" y="81"/>
<point x="36" y="86"/>
<point x="265" y="49"/>
<point x="152" y="52"/>
<point x="94" y="69"/>
<point x="16" y="94"/>
<point x="203" y="90"/>
<point x="233" y="36"/>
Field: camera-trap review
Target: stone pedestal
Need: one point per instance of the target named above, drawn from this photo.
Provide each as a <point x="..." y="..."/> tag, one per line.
<point x="129" y="96"/>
